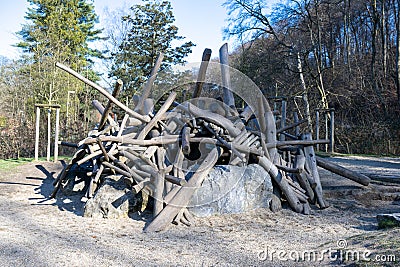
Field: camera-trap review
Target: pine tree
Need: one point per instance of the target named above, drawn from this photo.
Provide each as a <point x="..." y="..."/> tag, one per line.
<point x="150" y="31"/>
<point x="58" y="31"/>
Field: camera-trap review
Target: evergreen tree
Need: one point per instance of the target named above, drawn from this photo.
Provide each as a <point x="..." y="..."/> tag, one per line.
<point x="150" y="31"/>
<point x="58" y="31"/>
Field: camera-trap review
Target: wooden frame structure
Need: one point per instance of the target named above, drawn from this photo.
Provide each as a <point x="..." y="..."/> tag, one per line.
<point x="37" y="130"/>
<point x="329" y="127"/>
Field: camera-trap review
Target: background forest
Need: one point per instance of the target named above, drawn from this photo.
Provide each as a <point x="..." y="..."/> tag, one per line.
<point x="341" y="54"/>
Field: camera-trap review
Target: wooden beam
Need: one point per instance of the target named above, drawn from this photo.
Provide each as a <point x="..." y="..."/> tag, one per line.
<point x="103" y="92"/>
<point x="202" y="72"/>
<point x="229" y="100"/>
<point x="107" y="110"/>
<point x="332" y="167"/>
<point x="183" y="196"/>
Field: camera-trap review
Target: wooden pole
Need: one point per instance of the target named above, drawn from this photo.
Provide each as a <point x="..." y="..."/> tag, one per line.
<point x="326" y="130"/>
<point x="48" y="133"/>
<point x="149" y="83"/>
<point x="317" y="127"/>
<point x="296" y="120"/>
<point x="332" y="128"/>
<point x="183" y="196"/>
<point x="332" y="167"/>
<point x="56" y="135"/>
<point x="283" y="119"/>
<point x="312" y="163"/>
<point x="107" y="110"/>
<point x="226" y="79"/>
<point x="37" y="133"/>
<point x="202" y="72"/>
<point x="104" y="92"/>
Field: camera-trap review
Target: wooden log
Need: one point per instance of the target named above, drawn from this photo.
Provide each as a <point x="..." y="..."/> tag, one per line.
<point x="317" y="127"/>
<point x="80" y="153"/>
<point x="202" y="72"/>
<point x="283" y="120"/>
<point x="275" y="174"/>
<point x="164" y="108"/>
<point x="119" y="170"/>
<point x="159" y="182"/>
<point x="101" y="109"/>
<point x="178" y="217"/>
<point x="301" y="176"/>
<point x="140" y="186"/>
<point x="287" y="169"/>
<point x="171" y="194"/>
<point x="68" y="144"/>
<point x="212" y="117"/>
<point x="185" y="140"/>
<point x="103" y="149"/>
<point x="147" y="88"/>
<point x="270" y="134"/>
<point x="247" y="113"/>
<point x="175" y="180"/>
<point x="217" y="108"/>
<point x="228" y="98"/>
<point x="103" y="92"/>
<point x="93" y="182"/>
<point x="332" y="131"/>
<point x="332" y="167"/>
<point x="183" y="196"/>
<point x="223" y="142"/>
<point x="306" y="208"/>
<point x="296" y="120"/>
<point x="187" y="214"/>
<point x="297" y="143"/>
<point x="241" y="137"/>
<point x="312" y="163"/>
<point x="262" y="121"/>
<point x="293" y="125"/>
<point x="89" y="157"/>
<point x="107" y="110"/>
<point x="150" y="152"/>
<point x="161" y="140"/>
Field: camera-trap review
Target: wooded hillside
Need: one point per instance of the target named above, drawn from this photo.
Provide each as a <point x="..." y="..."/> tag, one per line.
<point x="344" y="54"/>
<point x="341" y="54"/>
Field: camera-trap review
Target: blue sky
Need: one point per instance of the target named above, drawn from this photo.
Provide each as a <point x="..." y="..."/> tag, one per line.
<point x="200" y="21"/>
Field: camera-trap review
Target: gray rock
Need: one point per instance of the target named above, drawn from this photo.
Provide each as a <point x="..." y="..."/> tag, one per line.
<point x="388" y="220"/>
<point x="232" y="189"/>
<point x="113" y="200"/>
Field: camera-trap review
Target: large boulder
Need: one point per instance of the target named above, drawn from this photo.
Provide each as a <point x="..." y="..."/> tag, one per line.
<point x="113" y="200"/>
<point x="232" y="189"/>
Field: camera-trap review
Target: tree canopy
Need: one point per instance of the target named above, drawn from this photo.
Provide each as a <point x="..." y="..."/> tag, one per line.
<point x="149" y="31"/>
<point x="343" y="54"/>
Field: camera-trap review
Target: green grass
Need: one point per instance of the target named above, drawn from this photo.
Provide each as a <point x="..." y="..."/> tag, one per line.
<point x="10" y="164"/>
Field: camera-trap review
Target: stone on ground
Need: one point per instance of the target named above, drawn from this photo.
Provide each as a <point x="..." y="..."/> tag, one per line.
<point x="232" y="189"/>
<point x="113" y="200"/>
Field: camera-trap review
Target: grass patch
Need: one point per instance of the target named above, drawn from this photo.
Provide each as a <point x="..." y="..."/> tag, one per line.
<point x="9" y="164"/>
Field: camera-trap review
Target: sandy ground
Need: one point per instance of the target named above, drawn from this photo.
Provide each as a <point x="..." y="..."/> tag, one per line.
<point x="36" y="231"/>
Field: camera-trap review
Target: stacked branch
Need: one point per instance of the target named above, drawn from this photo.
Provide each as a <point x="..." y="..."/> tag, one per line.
<point x="166" y="153"/>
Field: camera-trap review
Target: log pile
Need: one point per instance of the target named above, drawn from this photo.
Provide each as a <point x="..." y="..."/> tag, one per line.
<point x="165" y="153"/>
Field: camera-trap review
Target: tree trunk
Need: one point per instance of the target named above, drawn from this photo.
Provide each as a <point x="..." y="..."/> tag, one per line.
<point x="305" y="96"/>
<point x="398" y="51"/>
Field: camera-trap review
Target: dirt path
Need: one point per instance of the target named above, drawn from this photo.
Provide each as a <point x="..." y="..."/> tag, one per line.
<point x="35" y="231"/>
